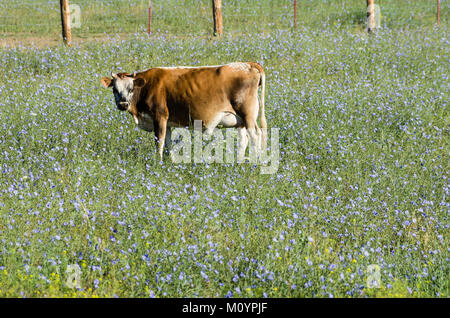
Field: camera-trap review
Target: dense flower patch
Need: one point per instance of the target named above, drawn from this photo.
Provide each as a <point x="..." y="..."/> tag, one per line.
<point x="363" y="177"/>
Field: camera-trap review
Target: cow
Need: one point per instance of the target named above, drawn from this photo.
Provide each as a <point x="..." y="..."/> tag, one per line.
<point x="224" y="95"/>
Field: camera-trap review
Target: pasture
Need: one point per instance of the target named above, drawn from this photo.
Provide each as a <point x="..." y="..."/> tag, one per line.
<point x="362" y="180"/>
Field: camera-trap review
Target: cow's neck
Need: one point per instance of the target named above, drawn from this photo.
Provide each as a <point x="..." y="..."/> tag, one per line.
<point x="132" y="109"/>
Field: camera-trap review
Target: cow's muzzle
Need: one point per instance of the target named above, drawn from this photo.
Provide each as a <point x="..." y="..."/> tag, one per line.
<point x="122" y="106"/>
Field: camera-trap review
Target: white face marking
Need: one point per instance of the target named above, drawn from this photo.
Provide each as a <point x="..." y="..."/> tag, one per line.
<point x="123" y="92"/>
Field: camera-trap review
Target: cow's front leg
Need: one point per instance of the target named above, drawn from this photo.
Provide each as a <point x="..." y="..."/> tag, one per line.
<point x="168" y="139"/>
<point x="160" y="136"/>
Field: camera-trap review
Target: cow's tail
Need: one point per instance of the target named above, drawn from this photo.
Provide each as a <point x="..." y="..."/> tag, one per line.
<point x="262" y="118"/>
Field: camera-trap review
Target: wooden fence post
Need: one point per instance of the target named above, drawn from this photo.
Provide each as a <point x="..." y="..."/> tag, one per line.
<point x="65" y="22"/>
<point x="371" y="21"/>
<point x="295" y="14"/>
<point x="217" y="17"/>
<point x="438" y="11"/>
<point x="150" y="7"/>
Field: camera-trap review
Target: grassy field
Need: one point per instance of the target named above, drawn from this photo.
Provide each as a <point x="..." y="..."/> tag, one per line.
<point x="37" y="18"/>
<point x="363" y="176"/>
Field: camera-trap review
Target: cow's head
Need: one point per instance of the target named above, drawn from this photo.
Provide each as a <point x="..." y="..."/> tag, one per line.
<point x="123" y="85"/>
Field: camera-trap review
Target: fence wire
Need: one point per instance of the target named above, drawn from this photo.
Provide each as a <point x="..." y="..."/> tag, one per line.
<point x="42" y="17"/>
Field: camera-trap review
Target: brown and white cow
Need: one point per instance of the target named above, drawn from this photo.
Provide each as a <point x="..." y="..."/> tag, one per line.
<point x="164" y="97"/>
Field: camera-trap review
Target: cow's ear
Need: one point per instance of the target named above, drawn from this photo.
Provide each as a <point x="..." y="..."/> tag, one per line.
<point x="138" y="82"/>
<point x="106" y="81"/>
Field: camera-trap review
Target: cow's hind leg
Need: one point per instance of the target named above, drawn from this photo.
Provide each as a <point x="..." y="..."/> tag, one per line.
<point x="254" y="132"/>
<point x="229" y="119"/>
<point x="212" y="124"/>
<point x="242" y="144"/>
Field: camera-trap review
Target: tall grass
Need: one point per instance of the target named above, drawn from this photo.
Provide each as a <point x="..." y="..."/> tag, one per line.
<point x="363" y="177"/>
<point x="194" y="17"/>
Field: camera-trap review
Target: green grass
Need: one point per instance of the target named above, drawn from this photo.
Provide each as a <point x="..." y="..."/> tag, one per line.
<point x="194" y="17"/>
<point x="363" y="177"/>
